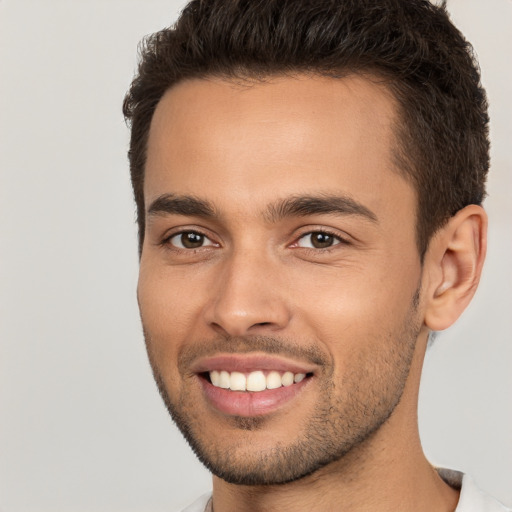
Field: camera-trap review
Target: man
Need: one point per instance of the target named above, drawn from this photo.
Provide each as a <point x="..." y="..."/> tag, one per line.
<point x="308" y="178"/>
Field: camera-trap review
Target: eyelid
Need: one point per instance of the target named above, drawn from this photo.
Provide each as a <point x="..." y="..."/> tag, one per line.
<point x="179" y="235"/>
<point x="339" y="238"/>
<point x="169" y="235"/>
<point x="336" y="241"/>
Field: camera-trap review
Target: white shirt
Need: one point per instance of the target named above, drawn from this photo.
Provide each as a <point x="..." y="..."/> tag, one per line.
<point x="472" y="499"/>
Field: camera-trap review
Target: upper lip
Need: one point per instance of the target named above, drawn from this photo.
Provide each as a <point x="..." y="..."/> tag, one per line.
<point x="250" y="362"/>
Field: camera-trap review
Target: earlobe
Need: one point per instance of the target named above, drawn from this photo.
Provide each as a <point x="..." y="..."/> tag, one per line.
<point x="454" y="260"/>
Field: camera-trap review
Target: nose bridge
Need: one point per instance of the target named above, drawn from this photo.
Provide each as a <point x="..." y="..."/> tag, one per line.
<point x="247" y="296"/>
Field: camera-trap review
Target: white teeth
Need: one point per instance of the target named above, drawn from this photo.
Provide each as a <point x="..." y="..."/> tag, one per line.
<point x="274" y="380"/>
<point x="287" y="379"/>
<point x="255" y="381"/>
<point x="237" y="382"/>
<point x="215" y="378"/>
<point x="224" y="379"/>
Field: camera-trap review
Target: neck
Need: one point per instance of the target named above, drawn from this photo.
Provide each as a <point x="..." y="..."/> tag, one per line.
<point x="388" y="472"/>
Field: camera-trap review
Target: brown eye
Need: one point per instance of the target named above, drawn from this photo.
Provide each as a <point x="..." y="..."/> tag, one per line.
<point x="190" y="240"/>
<point x="318" y="240"/>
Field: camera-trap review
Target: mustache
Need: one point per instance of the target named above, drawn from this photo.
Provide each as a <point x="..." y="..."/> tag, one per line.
<point x="243" y="345"/>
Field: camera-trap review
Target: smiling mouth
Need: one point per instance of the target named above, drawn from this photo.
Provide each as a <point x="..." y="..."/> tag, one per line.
<point x="255" y="381"/>
<point x="251" y="384"/>
<point x="254" y="393"/>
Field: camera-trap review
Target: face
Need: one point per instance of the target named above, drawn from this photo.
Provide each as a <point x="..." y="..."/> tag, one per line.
<point x="279" y="275"/>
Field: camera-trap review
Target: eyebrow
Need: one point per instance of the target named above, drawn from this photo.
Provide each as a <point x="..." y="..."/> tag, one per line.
<point x="302" y="206"/>
<point x="181" y="205"/>
<point x="295" y="206"/>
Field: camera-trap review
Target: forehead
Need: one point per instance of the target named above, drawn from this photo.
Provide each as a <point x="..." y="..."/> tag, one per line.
<point x="289" y="135"/>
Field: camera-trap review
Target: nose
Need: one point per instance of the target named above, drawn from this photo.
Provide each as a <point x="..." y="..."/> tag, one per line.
<point x="248" y="298"/>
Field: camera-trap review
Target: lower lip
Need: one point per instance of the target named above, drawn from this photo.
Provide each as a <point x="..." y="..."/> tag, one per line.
<point x="250" y="403"/>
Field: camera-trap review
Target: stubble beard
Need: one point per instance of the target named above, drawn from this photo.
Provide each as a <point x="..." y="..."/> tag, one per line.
<point x="341" y="421"/>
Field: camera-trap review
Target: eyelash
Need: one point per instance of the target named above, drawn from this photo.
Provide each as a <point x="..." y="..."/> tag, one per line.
<point x="338" y="240"/>
<point x="166" y="242"/>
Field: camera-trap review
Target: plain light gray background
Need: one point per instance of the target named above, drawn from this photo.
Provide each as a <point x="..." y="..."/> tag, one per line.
<point x="82" y="427"/>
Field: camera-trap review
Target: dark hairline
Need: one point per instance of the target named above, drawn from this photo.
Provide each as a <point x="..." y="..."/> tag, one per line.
<point x="442" y="121"/>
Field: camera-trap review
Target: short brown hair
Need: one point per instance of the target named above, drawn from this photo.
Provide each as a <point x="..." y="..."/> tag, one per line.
<point x="442" y="134"/>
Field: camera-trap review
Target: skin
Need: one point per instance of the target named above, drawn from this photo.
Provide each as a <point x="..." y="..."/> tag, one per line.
<point x="359" y="311"/>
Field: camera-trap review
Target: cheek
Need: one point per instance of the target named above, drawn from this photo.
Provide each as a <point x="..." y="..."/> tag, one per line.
<point x="167" y="307"/>
<point x="349" y="308"/>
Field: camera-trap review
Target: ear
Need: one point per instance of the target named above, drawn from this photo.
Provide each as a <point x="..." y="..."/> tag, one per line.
<point x="453" y="265"/>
